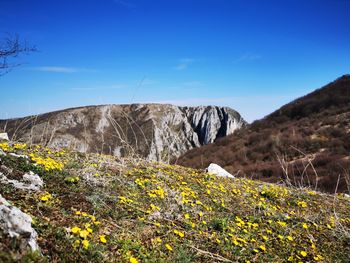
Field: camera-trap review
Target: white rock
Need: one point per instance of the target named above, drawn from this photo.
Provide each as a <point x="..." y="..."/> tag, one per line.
<point x="17" y="224"/>
<point x="19" y="155"/>
<point x="31" y="182"/>
<point x="4" y="136"/>
<point x="217" y="170"/>
<point x="33" y="179"/>
<point x="346" y="195"/>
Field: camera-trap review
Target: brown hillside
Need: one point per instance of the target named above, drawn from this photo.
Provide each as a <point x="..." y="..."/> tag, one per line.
<point x="306" y="141"/>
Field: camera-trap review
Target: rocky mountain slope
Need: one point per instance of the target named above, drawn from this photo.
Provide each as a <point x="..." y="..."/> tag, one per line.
<point x="63" y="206"/>
<point x="153" y="131"/>
<point x="306" y="142"/>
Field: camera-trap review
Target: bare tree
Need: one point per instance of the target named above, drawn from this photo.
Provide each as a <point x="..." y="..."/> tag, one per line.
<point x="11" y="47"/>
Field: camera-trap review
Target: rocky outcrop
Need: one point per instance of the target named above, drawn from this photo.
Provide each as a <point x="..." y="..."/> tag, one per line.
<point x="154" y="131"/>
<point x="30" y="181"/>
<point x="17" y="224"/>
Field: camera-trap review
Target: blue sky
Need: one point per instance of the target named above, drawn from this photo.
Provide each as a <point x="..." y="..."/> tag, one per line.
<point x="251" y="55"/>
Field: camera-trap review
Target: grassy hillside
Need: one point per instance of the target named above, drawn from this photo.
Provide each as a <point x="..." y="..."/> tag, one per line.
<point x="101" y="209"/>
<point x="306" y="142"/>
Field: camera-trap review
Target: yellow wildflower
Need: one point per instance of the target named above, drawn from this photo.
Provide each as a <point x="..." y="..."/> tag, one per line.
<point x="168" y="247"/>
<point x="133" y="260"/>
<point x="83" y="234"/>
<point x="263" y="248"/>
<point x="318" y="257"/>
<point x="303" y="253"/>
<point x="76" y="243"/>
<point x="85" y="244"/>
<point x="75" y="230"/>
<point x="180" y="234"/>
<point x="281" y="223"/>
<point x="103" y="239"/>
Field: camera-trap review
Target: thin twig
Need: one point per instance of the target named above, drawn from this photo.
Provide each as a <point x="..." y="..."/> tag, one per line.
<point x="212" y="255"/>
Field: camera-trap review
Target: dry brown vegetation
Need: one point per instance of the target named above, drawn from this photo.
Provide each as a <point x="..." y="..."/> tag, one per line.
<point x="306" y="143"/>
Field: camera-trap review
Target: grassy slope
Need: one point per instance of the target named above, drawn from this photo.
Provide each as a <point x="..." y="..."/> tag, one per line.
<point x="312" y="129"/>
<point x="151" y="212"/>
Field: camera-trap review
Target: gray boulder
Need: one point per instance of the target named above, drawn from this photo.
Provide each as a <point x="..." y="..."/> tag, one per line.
<point x="17" y="224"/>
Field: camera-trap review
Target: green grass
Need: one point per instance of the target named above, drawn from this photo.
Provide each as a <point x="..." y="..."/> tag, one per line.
<point x="154" y="212"/>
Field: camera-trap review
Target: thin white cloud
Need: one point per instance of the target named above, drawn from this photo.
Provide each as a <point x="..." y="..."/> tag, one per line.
<point x="248" y="57"/>
<point x="184" y="63"/>
<point x="65" y="70"/>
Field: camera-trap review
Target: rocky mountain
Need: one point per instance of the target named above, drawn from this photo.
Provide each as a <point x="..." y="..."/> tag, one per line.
<point x="306" y="142"/>
<point x="154" y="131"/>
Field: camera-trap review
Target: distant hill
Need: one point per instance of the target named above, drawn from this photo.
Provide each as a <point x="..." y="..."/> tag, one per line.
<point x="153" y="131"/>
<point x="306" y="142"/>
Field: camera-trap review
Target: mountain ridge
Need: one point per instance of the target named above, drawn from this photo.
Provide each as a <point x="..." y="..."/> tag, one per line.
<point x="155" y="131"/>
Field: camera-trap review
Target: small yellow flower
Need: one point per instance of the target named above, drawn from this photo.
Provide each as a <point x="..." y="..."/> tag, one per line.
<point x="158" y="240"/>
<point x="76" y="243"/>
<point x="290" y="238"/>
<point x="318" y="257"/>
<point x="75" y="230"/>
<point x="180" y="234"/>
<point x="133" y="260"/>
<point x="281" y="223"/>
<point x="85" y="244"/>
<point x="103" y="239"/>
<point x="46" y="197"/>
<point x="187" y="216"/>
<point x="263" y="248"/>
<point x="168" y="247"/>
<point x="83" y="234"/>
<point x="303" y="253"/>
<point x="305" y="226"/>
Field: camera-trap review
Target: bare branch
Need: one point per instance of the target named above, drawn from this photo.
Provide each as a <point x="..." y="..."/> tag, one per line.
<point x="11" y="47"/>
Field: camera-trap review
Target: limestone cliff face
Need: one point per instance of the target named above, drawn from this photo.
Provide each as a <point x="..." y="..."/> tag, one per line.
<point x="155" y="131"/>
